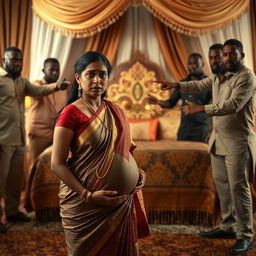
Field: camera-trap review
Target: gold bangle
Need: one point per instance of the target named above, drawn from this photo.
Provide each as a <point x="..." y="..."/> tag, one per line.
<point x="141" y="171"/>
<point x="88" y="195"/>
<point x="83" y="194"/>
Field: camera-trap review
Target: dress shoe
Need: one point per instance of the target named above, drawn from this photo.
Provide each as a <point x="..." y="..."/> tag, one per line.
<point x="18" y="217"/>
<point x="218" y="233"/>
<point x="2" y="228"/>
<point x="241" y="246"/>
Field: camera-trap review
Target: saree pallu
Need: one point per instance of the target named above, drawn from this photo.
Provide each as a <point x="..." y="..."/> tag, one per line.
<point x="102" y="161"/>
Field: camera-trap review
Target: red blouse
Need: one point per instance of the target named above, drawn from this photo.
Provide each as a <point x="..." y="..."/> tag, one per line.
<point x="74" y="119"/>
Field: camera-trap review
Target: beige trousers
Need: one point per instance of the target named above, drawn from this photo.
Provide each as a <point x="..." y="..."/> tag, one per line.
<point x="11" y="176"/>
<point x="231" y="175"/>
<point x="36" y="146"/>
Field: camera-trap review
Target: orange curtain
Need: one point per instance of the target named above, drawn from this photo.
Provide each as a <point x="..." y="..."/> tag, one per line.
<point x="253" y="26"/>
<point x="78" y="18"/>
<point x="107" y="41"/>
<point x="192" y="16"/>
<point x="15" y="28"/>
<point x="173" y="50"/>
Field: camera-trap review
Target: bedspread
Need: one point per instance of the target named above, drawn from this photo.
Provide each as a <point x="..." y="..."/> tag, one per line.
<point x="179" y="187"/>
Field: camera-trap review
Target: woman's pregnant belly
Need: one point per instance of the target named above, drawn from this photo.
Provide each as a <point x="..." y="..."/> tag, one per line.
<point x="123" y="175"/>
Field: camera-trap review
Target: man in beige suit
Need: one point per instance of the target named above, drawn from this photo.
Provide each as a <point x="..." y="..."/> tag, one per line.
<point x="232" y="143"/>
<point x="13" y="89"/>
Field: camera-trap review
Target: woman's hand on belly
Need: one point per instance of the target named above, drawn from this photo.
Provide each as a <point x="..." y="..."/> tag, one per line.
<point x="106" y="197"/>
<point x="141" y="181"/>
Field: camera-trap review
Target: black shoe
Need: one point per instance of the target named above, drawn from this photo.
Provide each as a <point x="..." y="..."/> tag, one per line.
<point x="18" y="217"/>
<point x="241" y="246"/>
<point x="2" y="228"/>
<point x="218" y="233"/>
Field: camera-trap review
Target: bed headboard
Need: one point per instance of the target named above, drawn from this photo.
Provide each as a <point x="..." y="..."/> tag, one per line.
<point x="130" y="85"/>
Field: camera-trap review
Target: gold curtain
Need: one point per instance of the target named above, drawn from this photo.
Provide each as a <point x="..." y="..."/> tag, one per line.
<point x="253" y="26"/>
<point x="193" y="16"/>
<point x="78" y="18"/>
<point x="107" y="41"/>
<point x="173" y="50"/>
<point x="15" y="28"/>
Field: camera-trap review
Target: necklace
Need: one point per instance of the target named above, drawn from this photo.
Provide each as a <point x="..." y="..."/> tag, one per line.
<point x="108" y="142"/>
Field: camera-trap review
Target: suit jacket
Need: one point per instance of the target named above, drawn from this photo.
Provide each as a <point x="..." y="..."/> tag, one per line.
<point x="192" y="127"/>
<point x="232" y="110"/>
<point x="12" y="95"/>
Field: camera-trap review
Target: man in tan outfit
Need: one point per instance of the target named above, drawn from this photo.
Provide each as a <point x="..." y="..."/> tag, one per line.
<point x="43" y="111"/>
<point x="13" y="90"/>
<point x="232" y="143"/>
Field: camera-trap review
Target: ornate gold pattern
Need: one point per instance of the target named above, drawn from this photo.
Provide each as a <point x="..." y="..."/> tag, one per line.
<point x="131" y="84"/>
<point x="179" y="187"/>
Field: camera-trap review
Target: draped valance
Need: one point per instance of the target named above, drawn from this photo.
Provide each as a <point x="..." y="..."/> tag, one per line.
<point x="79" y="18"/>
<point x="192" y="17"/>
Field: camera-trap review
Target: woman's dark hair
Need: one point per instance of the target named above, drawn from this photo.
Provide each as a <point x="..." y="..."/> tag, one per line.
<point x="82" y="62"/>
<point x="73" y="95"/>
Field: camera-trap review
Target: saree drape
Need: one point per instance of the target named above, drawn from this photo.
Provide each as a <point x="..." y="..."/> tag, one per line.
<point x="101" y="159"/>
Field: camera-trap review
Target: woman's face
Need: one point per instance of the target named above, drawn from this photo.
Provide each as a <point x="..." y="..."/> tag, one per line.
<point x="93" y="80"/>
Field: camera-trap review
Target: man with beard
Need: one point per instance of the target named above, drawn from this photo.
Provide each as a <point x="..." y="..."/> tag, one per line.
<point x="13" y="90"/>
<point x="232" y="143"/>
<point x="196" y="127"/>
<point x="43" y="111"/>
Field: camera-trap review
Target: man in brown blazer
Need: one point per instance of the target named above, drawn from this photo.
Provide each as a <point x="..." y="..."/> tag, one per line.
<point x="232" y="143"/>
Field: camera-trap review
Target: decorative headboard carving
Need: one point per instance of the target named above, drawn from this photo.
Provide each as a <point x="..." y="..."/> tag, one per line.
<point x="130" y="85"/>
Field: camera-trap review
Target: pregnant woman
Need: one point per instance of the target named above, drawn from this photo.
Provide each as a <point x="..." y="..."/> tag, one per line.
<point x="99" y="181"/>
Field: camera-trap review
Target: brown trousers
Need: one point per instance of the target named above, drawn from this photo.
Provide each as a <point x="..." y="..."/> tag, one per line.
<point x="11" y="176"/>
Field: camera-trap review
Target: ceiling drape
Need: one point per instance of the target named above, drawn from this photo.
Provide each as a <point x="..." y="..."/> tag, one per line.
<point x="139" y="35"/>
<point x="15" y="28"/>
<point x="78" y="18"/>
<point x="194" y="16"/>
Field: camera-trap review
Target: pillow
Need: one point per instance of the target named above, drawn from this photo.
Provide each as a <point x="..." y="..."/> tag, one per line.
<point x="143" y="129"/>
<point x="168" y="127"/>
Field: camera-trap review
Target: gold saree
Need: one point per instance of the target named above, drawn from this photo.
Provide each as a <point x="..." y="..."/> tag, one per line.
<point x="102" y="160"/>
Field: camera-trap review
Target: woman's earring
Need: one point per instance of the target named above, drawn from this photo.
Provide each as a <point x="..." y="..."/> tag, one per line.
<point x="79" y="91"/>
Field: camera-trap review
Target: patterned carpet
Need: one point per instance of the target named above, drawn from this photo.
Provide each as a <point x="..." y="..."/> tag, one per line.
<point x="48" y="240"/>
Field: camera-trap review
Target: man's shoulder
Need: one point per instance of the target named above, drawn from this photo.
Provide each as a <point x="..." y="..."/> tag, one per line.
<point x="246" y="70"/>
<point x="244" y="73"/>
